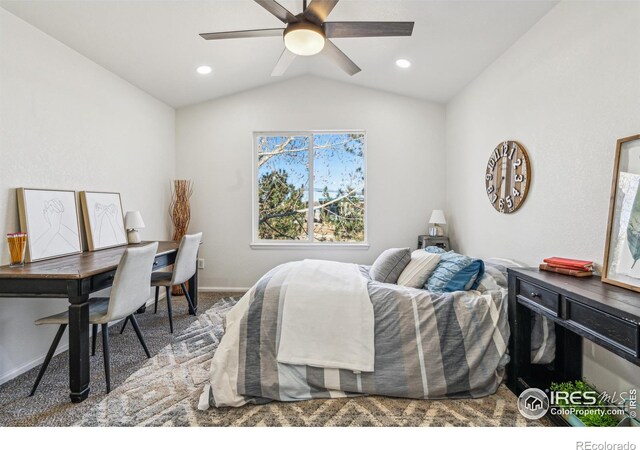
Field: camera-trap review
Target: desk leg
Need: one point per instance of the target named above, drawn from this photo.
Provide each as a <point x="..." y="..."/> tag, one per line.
<point x="193" y="292"/>
<point x="568" y="362"/>
<point x="79" y="348"/>
<point x="522" y="357"/>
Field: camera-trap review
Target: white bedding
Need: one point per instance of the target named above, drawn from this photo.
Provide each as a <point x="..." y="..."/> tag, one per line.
<point x="327" y="317"/>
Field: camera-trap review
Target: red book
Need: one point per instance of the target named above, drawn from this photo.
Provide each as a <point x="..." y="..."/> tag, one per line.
<point x="567" y="266"/>
<point x="572" y="272"/>
<point x="567" y="263"/>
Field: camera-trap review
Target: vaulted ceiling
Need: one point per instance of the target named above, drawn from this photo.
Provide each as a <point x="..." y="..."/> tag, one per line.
<point x="154" y="44"/>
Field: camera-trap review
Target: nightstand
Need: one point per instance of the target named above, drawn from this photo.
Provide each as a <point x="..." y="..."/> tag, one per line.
<point x="425" y="240"/>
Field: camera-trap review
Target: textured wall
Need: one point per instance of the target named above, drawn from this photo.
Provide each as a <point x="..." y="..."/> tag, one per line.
<point x="67" y="123"/>
<point x="567" y="90"/>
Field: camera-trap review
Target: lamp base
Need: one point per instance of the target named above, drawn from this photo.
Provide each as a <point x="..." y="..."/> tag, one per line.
<point x="436" y="231"/>
<point x="133" y="237"/>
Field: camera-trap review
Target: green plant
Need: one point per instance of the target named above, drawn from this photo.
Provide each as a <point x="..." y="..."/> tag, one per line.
<point x="590" y="419"/>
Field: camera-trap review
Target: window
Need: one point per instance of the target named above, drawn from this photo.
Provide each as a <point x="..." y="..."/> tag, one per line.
<point x="310" y="188"/>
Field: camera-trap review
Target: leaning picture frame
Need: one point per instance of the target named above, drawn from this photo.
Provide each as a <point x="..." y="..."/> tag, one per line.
<point x="621" y="265"/>
<point x="103" y="219"/>
<point x="50" y="219"/>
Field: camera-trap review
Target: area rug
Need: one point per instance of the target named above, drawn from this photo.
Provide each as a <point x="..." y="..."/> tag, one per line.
<point x="164" y="392"/>
<point x="50" y="406"/>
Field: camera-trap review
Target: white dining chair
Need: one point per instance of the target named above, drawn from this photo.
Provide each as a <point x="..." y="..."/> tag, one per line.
<point x="130" y="290"/>
<point x="184" y="268"/>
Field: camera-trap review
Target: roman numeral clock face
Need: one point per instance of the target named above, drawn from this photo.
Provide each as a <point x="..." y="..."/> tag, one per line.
<point x="508" y="177"/>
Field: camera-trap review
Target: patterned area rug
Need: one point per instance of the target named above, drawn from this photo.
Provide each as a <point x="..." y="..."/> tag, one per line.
<point x="165" y="391"/>
<point x="50" y="406"/>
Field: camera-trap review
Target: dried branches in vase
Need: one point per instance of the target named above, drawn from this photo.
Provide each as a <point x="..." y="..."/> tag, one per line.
<point x="180" y="212"/>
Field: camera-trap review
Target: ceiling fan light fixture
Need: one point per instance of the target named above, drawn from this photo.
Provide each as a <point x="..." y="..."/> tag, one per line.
<point x="304" y="38"/>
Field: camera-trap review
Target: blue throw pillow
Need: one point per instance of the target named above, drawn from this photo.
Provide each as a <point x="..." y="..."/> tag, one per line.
<point x="455" y="272"/>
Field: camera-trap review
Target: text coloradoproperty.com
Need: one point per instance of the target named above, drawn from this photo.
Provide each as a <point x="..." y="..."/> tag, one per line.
<point x="587" y="411"/>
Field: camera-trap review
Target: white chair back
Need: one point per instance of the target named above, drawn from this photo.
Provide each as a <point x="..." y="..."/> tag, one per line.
<point x="186" y="260"/>
<point x="130" y="288"/>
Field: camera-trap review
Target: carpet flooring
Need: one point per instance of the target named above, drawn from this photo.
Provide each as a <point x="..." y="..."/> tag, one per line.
<point x="163" y="390"/>
<point x="50" y="406"/>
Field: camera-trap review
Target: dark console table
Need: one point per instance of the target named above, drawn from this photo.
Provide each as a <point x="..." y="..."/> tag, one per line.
<point x="580" y="308"/>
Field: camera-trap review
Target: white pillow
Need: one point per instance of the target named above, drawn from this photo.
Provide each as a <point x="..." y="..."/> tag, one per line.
<point x="419" y="269"/>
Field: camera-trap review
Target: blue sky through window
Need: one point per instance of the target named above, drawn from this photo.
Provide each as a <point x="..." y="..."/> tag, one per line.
<point x="337" y="207"/>
<point x="338" y="161"/>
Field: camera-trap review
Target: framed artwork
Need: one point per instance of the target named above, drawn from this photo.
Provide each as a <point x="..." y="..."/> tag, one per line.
<point x="103" y="219"/>
<point x="622" y="249"/>
<point x="50" y="219"/>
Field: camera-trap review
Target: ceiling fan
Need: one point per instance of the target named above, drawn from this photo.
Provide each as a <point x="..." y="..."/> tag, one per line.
<point x="308" y="33"/>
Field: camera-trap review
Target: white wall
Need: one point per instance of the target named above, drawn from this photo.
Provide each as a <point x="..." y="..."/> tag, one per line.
<point x="567" y="90"/>
<point x="67" y="123"/>
<point x="405" y="162"/>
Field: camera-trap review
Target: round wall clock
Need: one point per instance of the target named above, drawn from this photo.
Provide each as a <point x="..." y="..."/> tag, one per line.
<point x="508" y="176"/>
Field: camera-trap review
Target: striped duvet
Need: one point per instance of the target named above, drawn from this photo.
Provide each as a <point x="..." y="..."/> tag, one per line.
<point x="426" y="346"/>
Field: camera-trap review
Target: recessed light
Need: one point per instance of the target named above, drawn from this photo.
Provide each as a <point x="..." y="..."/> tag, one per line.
<point x="204" y="70"/>
<point x="403" y="63"/>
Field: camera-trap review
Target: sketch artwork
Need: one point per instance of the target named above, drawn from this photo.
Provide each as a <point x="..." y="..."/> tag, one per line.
<point x="103" y="218"/>
<point x="622" y="251"/>
<point x="50" y="219"/>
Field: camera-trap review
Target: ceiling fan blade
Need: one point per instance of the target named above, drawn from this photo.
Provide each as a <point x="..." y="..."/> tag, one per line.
<point x="342" y="60"/>
<point x="367" y="29"/>
<point x="268" y="32"/>
<point x="277" y="10"/>
<point x="283" y="63"/>
<point x="318" y="10"/>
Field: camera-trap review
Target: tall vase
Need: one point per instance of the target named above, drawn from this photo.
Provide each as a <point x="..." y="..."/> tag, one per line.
<point x="180" y="211"/>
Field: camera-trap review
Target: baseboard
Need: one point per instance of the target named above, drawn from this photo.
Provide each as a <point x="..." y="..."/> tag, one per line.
<point x="61" y="348"/>
<point x="30" y="365"/>
<point x="222" y="289"/>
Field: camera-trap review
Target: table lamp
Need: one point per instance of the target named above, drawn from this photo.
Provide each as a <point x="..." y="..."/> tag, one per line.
<point x="133" y="222"/>
<point x="437" y="218"/>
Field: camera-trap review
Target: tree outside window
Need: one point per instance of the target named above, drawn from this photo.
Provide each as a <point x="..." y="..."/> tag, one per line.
<point x="310" y="187"/>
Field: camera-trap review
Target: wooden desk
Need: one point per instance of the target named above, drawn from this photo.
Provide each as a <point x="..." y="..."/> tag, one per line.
<point x="580" y="308"/>
<point x="75" y="277"/>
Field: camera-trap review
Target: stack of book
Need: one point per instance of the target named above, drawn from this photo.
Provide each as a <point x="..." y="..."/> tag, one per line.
<point x="573" y="267"/>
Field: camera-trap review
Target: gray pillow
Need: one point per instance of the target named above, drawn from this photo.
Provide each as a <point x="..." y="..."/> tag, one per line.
<point x="390" y="264"/>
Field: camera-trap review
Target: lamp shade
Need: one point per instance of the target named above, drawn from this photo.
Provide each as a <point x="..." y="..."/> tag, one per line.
<point x="133" y="220"/>
<point x="437" y="216"/>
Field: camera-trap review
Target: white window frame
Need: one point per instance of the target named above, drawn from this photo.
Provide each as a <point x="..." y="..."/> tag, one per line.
<point x="262" y="244"/>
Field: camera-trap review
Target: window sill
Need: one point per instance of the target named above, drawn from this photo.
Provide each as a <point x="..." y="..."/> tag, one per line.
<point x="307" y="246"/>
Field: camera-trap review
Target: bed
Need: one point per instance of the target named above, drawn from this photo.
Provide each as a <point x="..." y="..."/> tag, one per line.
<point x="449" y="345"/>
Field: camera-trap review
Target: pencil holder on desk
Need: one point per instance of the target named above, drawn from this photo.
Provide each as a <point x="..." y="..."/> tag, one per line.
<point x="17" y="246"/>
